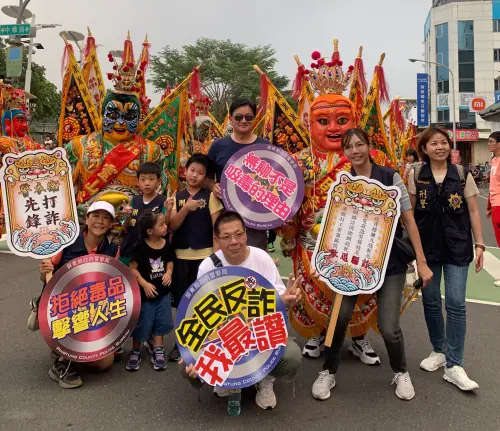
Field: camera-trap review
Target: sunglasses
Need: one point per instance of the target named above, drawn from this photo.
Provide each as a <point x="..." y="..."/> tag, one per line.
<point x="247" y="117"/>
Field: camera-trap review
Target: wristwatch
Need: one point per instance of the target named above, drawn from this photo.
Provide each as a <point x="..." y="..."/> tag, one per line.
<point x="481" y="245"/>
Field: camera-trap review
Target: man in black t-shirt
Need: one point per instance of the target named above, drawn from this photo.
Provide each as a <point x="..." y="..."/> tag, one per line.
<point x="241" y="115"/>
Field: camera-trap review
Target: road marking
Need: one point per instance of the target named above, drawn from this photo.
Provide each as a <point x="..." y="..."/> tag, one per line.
<point x="491" y="265"/>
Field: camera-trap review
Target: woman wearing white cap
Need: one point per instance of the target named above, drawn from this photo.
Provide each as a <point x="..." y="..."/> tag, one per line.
<point x="92" y="240"/>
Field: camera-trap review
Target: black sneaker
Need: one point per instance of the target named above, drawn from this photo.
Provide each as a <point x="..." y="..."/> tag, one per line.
<point x="134" y="361"/>
<point x="158" y="359"/>
<point x="174" y="354"/>
<point x="364" y="351"/>
<point x="63" y="373"/>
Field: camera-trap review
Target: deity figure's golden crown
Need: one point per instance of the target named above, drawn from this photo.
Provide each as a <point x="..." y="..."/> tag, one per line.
<point x="11" y="98"/>
<point x="128" y="76"/>
<point x="327" y="77"/>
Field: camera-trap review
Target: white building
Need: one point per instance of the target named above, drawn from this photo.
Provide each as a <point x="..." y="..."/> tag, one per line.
<point x="465" y="36"/>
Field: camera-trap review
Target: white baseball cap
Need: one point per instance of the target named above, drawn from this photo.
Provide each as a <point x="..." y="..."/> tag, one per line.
<point x="102" y="205"/>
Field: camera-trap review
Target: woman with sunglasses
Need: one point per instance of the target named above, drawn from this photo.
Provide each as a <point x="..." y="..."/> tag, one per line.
<point x="356" y="147"/>
<point x="241" y="116"/>
<point x="443" y="196"/>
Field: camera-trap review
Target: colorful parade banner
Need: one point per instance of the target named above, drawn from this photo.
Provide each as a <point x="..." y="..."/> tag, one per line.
<point x="232" y="324"/>
<point x="89" y="308"/>
<point x="356" y="234"/>
<point x="264" y="184"/>
<point x="91" y="71"/>
<point x="78" y="113"/>
<point x="165" y="126"/>
<point x="39" y="202"/>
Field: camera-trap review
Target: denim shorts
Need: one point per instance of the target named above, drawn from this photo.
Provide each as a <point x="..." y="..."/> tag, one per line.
<point x="155" y="319"/>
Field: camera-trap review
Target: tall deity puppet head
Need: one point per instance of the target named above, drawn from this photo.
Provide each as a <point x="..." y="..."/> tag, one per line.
<point x="13" y="106"/>
<point x="121" y="108"/>
<point x="332" y="114"/>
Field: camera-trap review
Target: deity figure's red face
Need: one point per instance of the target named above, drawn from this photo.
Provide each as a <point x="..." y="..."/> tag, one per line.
<point x="18" y="127"/>
<point x="331" y="116"/>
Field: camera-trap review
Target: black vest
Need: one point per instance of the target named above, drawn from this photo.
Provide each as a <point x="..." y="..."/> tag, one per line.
<point x="196" y="231"/>
<point x="386" y="176"/>
<point x="442" y="217"/>
<point x="78" y="249"/>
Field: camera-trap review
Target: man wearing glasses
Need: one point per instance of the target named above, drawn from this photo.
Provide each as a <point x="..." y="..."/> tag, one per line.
<point x="241" y="116"/>
<point x="231" y="236"/>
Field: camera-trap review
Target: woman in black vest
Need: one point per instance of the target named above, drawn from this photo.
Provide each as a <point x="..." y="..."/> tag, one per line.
<point x="443" y="196"/>
<point x="356" y="147"/>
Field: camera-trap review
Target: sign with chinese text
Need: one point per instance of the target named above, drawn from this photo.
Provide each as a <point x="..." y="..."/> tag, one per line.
<point x="356" y="234"/>
<point x="15" y="30"/>
<point x="232" y="324"/>
<point x="264" y="184"/>
<point x="455" y="157"/>
<point x="465" y="135"/>
<point x="422" y="99"/>
<point x="39" y="202"/>
<point x="89" y="308"/>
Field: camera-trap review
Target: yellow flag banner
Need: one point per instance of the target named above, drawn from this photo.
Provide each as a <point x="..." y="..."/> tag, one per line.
<point x="281" y="125"/>
<point x="92" y="75"/>
<point x="78" y="113"/>
<point x="371" y="119"/>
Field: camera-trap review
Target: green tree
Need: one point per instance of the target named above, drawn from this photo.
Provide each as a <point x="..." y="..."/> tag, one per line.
<point x="48" y="103"/>
<point x="226" y="70"/>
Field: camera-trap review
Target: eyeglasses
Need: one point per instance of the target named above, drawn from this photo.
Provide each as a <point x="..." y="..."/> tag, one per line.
<point x="237" y="236"/>
<point x="358" y="146"/>
<point x="247" y="117"/>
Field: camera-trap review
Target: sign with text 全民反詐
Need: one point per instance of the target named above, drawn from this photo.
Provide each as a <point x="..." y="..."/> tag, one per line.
<point x="264" y="184"/>
<point x="15" y="29"/>
<point x="232" y="325"/>
<point x="89" y="308"/>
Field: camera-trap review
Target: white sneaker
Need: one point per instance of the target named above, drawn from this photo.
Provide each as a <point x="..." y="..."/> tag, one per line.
<point x="433" y="362"/>
<point x="497" y="283"/>
<point x="364" y="351"/>
<point x="458" y="377"/>
<point x="266" y="398"/>
<point x="404" y="387"/>
<point x="221" y="392"/>
<point x="314" y="347"/>
<point x="323" y="384"/>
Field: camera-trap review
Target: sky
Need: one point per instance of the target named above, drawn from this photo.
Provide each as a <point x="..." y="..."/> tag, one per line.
<point x="289" y="26"/>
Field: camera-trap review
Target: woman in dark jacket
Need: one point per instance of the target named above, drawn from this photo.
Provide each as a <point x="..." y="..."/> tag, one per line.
<point x="93" y="240"/>
<point x="356" y="147"/>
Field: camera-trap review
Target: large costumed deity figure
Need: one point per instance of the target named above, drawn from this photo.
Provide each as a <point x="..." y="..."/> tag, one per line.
<point x="105" y="162"/>
<point x="331" y="114"/>
<point x="15" y="138"/>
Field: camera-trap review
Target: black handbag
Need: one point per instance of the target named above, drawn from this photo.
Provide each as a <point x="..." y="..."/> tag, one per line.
<point x="404" y="247"/>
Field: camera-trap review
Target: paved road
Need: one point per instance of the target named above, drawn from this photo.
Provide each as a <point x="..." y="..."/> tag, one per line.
<point x="151" y="400"/>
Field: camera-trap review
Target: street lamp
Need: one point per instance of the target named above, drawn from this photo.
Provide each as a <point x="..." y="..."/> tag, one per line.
<point x="413" y="60"/>
<point x="22" y="14"/>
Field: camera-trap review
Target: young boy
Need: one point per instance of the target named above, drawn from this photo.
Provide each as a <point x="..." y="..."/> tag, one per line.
<point x="192" y="218"/>
<point x="148" y="178"/>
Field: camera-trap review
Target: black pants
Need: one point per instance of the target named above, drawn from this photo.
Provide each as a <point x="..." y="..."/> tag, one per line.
<point x="271" y="236"/>
<point x="389" y="306"/>
<point x="185" y="274"/>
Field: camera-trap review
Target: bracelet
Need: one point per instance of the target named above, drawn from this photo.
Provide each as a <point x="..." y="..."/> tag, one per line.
<point x="481" y="245"/>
